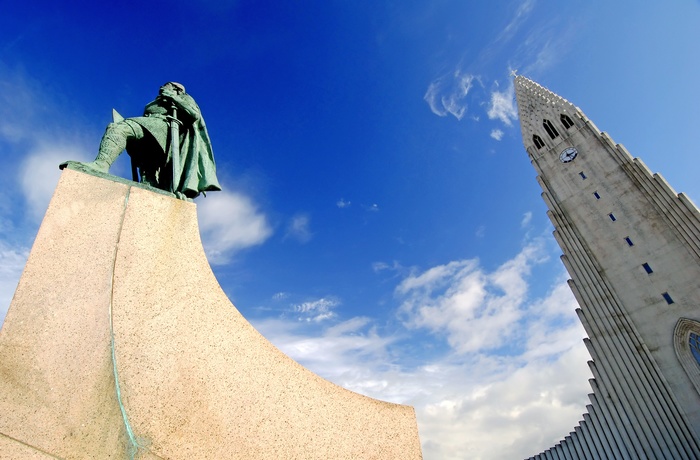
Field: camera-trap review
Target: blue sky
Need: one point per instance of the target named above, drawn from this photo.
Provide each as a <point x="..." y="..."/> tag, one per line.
<point x="380" y="221"/>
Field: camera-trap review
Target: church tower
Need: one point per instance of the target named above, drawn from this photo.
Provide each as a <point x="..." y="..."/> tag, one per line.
<point x="631" y="245"/>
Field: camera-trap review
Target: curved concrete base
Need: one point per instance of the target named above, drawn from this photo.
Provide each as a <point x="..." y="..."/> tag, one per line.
<point x="117" y="284"/>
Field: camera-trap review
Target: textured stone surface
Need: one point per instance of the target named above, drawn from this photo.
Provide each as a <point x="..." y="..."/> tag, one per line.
<point x="56" y="381"/>
<point x="14" y="449"/>
<point x="196" y="379"/>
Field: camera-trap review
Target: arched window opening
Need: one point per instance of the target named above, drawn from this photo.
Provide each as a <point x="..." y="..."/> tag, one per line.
<point x="686" y="341"/>
<point x="539" y="143"/>
<point x="566" y="121"/>
<point x="694" y="344"/>
<point x="549" y="127"/>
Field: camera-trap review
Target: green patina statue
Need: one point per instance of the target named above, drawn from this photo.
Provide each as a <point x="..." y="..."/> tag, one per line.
<point x="169" y="145"/>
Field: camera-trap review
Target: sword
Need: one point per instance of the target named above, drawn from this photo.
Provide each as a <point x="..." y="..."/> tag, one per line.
<point x="174" y="153"/>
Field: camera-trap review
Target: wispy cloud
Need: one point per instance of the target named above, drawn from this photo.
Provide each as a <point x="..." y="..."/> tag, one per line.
<point x="521" y="14"/>
<point x="316" y="310"/>
<point x="548" y="52"/>
<point x="502" y="105"/>
<point x="230" y="222"/>
<point x="523" y="378"/>
<point x="298" y="228"/>
<point x="280" y="296"/>
<point x="447" y="94"/>
<point x="527" y="218"/>
<point x="545" y="43"/>
<point x="342" y="203"/>
<point x="395" y="266"/>
<point x="536" y="50"/>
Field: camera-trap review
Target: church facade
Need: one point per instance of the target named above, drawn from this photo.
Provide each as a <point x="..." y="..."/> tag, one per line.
<point x="631" y="245"/>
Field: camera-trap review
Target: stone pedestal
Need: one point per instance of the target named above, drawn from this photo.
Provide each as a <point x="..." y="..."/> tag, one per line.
<point x="120" y="343"/>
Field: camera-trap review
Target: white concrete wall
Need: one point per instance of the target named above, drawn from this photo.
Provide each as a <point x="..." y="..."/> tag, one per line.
<point x="645" y="403"/>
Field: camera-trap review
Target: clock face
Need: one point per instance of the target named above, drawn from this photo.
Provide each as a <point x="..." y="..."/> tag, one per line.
<point x="568" y="155"/>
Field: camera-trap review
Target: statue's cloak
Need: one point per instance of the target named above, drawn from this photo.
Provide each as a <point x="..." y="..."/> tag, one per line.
<point x="197" y="168"/>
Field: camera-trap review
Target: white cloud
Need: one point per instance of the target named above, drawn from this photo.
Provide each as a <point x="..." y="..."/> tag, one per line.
<point x="348" y="353"/>
<point x="497" y="134"/>
<point x="374" y="207"/>
<point x="527" y="218"/>
<point x="22" y="106"/>
<point x="502" y="409"/>
<point x="446" y="95"/>
<point x="520" y="361"/>
<point x="36" y="130"/>
<point x="34" y="139"/>
<point x="503" y="396"/>
<point x="12" y="260"/>
<point x="229" y="222"/>
<point x="316" y="310"/>
<point x="341" y="203"/>
<point x="472" y="308"/>
<point x="298" y="228"/>
<point x="502" y="105"/>
<point x="39" y="174"/>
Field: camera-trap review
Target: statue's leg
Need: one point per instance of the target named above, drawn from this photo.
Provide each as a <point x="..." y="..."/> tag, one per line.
<point x="114" y="143"/>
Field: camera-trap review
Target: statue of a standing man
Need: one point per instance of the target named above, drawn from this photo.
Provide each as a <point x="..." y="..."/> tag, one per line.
<point x="169" y="145"/>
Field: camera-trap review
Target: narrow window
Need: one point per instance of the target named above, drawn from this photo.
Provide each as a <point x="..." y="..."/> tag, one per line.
<point x="647" y="268"/>
<point x="566" y="121"/>
<point x="629" y="241"/>
<point x="583" y="176"/>
<point x="549" y="127"/>
<point x="612" y="217"/>
<point x="596" y="195"/>
<point x="539" y="143"/>
<point x="667" y="298"/>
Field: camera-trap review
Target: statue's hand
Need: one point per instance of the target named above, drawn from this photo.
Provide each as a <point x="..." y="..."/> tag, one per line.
<point x="166" y="92"/>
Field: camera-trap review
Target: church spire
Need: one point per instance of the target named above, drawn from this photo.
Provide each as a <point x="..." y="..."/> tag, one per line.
<point x="542" y="115"/>
<point x="614" y="220"/>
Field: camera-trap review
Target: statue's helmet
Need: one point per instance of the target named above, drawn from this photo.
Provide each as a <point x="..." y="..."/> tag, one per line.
<point x="178" y="86"/>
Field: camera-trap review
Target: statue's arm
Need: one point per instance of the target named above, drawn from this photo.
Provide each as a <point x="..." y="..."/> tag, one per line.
<point x="184" y="103"/>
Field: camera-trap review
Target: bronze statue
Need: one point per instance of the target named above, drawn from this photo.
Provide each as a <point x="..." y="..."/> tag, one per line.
<point x="169" y="145"/>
